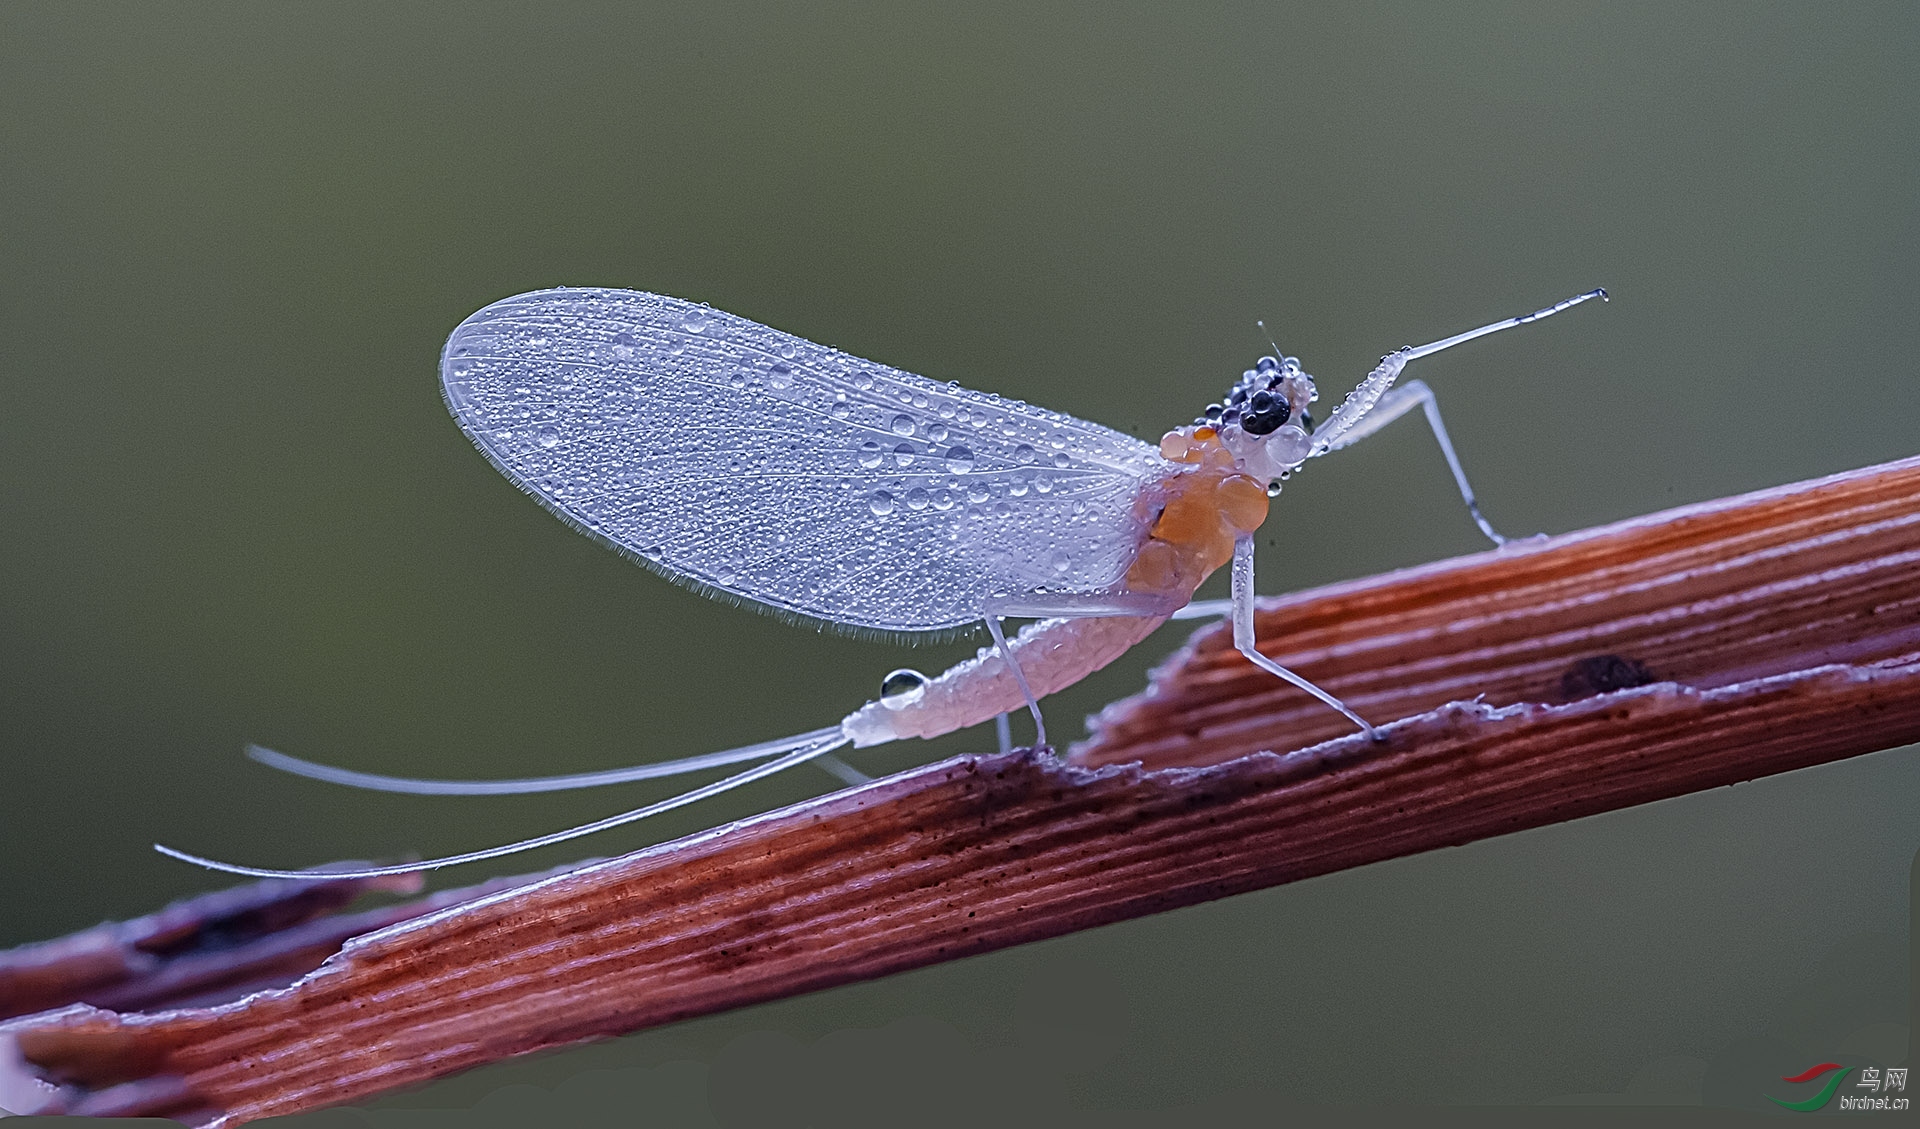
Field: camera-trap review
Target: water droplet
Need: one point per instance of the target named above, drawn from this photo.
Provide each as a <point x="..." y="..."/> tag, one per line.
<point x="917" y="499"/>
<point x="903" y="454"/>
<point x="547" y="437"/>
<point x="625" y="345"/>
<point x="1023" y="453"/>
<point x="902" y="688"/>
<point x="943" y="500"/>
<point x="959" y="460"/>
<point x="937" y="433"/>
<point x="1061" y="460"/>
<point x="695" y="321"/>
<point x="903" y="425"/>
<point x="864" y="382"/>
<point x="1059" y="561"/>
<point x="780" y="376"/>
<point x="870" y="454"/>
<point x="881" y="503"/>
<point x="977" y="493"/>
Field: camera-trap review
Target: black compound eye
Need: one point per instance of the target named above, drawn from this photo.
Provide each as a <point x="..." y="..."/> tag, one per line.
<point x="1265" y="413"/>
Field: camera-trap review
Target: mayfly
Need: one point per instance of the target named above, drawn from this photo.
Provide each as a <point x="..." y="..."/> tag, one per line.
<point x="755" y="466"/>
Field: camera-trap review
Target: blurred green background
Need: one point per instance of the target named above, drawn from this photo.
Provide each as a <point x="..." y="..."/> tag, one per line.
<point x="232" y="507"/>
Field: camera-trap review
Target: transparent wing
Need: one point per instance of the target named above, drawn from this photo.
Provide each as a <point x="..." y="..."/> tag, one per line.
<point x="743" y="460"/>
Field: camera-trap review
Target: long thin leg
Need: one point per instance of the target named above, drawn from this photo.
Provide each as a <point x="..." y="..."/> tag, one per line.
<point x="847" y="773"/>
<point x="800" y="755"/>
<point x="1020" y="678"/>
<point x="1204" y="609"/>
<point x="1041" y="605"/>
<point x="1004" y="730"/>
<point x="1243" y="635"/>
<point x="1366" y="395"/>
<point x="1400" y="401"/>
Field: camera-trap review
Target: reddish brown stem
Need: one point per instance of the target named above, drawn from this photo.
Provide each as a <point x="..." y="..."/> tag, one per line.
<point x="1782" y="630"/>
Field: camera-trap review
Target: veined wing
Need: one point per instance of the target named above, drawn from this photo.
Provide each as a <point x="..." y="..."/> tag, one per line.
<point x="742" y="460"/>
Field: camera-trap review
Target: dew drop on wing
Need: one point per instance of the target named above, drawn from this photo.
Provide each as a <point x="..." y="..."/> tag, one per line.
<point x="770" y="504"/>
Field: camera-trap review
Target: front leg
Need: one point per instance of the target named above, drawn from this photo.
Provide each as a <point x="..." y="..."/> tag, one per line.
<point x="1243" y="636"/>
<point x="1393" y="405"/>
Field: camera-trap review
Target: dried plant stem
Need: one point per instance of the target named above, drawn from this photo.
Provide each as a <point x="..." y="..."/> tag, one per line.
<point x="1781" y="630"/>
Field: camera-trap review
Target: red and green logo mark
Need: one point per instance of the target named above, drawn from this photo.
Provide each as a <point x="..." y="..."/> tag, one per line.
<point x="1808" y="1105"/>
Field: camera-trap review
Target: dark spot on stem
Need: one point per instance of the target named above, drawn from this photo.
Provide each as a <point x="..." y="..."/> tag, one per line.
<point x="1602" y="674"/>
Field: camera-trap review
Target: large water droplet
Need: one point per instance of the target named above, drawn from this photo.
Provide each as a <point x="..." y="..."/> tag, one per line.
<point x="959" y="460"/>
<point x="1023" y="453"/>
<point x="547" y="437"/>
<point x="881" y="503"/>
<point x="1059" y="561"/>
<point x="1061" y="460"/>
<point x="780" y="376"/>
<point x="625" y="345"/>
<point x="917" y="499"/>
<point x="937" y="433"/>
<point x="903" y="425"/>
<point x="977" y="493"/>
<point x="870" y="455"/>
<point x="903" y="454"/>
<point x="695" y="321"/>
<point x="902" y="688"/>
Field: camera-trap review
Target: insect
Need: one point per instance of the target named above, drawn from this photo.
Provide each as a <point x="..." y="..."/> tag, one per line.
<point x="758" y="467"/>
